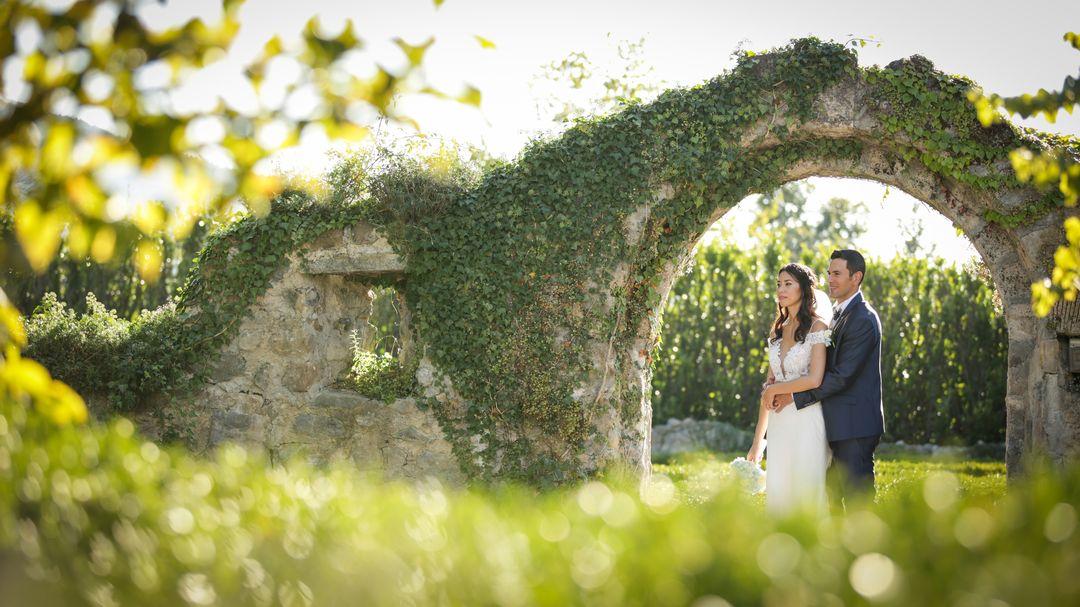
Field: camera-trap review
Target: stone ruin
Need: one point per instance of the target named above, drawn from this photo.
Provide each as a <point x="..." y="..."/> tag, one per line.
<point x="272" y="386"/>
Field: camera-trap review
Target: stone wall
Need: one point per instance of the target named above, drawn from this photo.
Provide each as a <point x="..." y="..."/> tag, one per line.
<point x="273" y="385"/>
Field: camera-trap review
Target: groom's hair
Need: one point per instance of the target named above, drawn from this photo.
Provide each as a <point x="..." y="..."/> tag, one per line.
<point x="854" y="259"/>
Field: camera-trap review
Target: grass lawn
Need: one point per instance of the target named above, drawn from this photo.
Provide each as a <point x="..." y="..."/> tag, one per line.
<point x="695" y="474"/>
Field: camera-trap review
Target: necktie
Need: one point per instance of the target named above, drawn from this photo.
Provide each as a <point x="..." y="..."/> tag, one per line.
<point x="835" y="316"/>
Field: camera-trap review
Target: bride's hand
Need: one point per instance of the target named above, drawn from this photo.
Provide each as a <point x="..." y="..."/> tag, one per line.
<point x="767" y="394"/>
<point x="754" y="454"/>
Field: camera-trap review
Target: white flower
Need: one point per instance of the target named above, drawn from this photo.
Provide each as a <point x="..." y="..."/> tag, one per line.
<point x="749" y="474"/>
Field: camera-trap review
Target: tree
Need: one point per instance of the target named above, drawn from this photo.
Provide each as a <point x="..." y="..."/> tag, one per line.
<point x="782" y="215"/>
<point x="1047" y="169"/>
<point x="97" y="62"/>
<point x="574" y="86"/>
<point x="913" y="230"/>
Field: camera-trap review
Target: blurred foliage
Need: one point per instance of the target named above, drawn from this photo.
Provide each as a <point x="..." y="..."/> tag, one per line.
<point x="117" y="283"/>
<point x="94" y="98"/>
<point x="94" y="514"/>
<point x="1052" y="166"/>
<point x="25" y="386"/>
<point x="936" y="387"/>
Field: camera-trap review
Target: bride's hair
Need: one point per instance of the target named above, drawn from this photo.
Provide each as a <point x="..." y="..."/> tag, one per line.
<point x="807" y="308"/>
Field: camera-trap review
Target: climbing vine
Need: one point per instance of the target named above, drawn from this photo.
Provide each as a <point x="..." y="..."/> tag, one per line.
<point x="504" y="266"/>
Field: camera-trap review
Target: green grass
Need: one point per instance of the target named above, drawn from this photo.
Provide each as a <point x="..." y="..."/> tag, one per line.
<point x="696" y="475"/>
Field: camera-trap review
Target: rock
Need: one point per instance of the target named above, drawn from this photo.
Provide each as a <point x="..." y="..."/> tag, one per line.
<point x="299" y="377"/>
<point x="345" y="399"/>
<point x="228" y="366"/>
<point x="404" y="406"/>
<point x="238" y="420"/>
<point x="236" y="426"/>
<point x="412" y="433"/>
<point x="318" y="426"/>
<point x="692" y="435"/>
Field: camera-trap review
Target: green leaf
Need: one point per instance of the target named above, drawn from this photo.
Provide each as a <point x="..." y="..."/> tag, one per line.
<point x="471" y="96"/>
<point x="484" y="42"/>
<point x="414" y="53"/>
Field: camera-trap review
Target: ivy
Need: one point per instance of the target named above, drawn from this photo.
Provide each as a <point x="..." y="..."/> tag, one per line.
<point x="502" y="262"/>
<point x="931" y="111"/>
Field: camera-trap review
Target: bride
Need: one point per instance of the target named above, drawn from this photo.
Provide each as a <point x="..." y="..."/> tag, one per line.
<point x="798" y="451"/>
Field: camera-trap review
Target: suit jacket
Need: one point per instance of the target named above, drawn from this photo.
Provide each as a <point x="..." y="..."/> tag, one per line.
<point x="850" y="391"/>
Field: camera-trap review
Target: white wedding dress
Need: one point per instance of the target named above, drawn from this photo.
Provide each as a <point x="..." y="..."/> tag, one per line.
<point x="796" y="450"/>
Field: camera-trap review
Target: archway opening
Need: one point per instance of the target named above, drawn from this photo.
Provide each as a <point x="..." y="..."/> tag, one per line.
<point x="944" y="345"/>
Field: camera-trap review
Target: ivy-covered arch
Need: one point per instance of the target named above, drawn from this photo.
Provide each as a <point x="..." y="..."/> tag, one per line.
<point x="534" y="289"/>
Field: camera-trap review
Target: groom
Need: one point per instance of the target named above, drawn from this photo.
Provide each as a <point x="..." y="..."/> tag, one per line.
<point x="850" y="392"/>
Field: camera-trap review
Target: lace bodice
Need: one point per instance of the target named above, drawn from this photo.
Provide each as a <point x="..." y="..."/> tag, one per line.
<point x="796" y="361"/>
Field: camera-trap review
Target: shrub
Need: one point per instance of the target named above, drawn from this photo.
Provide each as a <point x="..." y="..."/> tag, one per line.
<point x="381" y="376"/>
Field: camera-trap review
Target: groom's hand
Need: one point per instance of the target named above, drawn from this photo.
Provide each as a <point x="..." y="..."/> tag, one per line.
<point x="782" y="400"/>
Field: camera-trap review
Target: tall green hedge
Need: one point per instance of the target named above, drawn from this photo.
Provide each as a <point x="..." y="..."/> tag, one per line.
<point x="944" y="342"/>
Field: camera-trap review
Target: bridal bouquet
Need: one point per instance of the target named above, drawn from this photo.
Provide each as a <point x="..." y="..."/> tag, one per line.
<point x="749" y="474"/>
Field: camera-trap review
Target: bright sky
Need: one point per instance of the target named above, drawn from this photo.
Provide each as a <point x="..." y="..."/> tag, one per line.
<point x="687" y="41"/>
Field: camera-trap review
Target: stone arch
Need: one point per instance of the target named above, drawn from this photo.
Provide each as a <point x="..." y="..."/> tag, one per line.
<point x="1034" y="361"/>
<point x="1042" y="404"/>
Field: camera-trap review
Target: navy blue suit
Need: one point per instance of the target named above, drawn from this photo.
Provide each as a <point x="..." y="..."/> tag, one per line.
<point x="850" y="391"/>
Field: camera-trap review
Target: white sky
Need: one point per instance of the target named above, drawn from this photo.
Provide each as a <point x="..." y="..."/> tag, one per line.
<point x="1006" y="46"/>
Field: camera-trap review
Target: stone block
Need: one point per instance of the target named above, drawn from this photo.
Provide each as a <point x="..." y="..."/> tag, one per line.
<point x="318" y="426"/>
<point x="329" y="240"/>
<point x="1049" y="355"/>
<point x="371" y="264"/>
<point x="237" y="420"/>
<point x="236" y="426"/>
<point x="345" y="399"/>
<point x="300" y="376"/>
<point x="412" y="433"/>
<point x="228" y="366"/>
